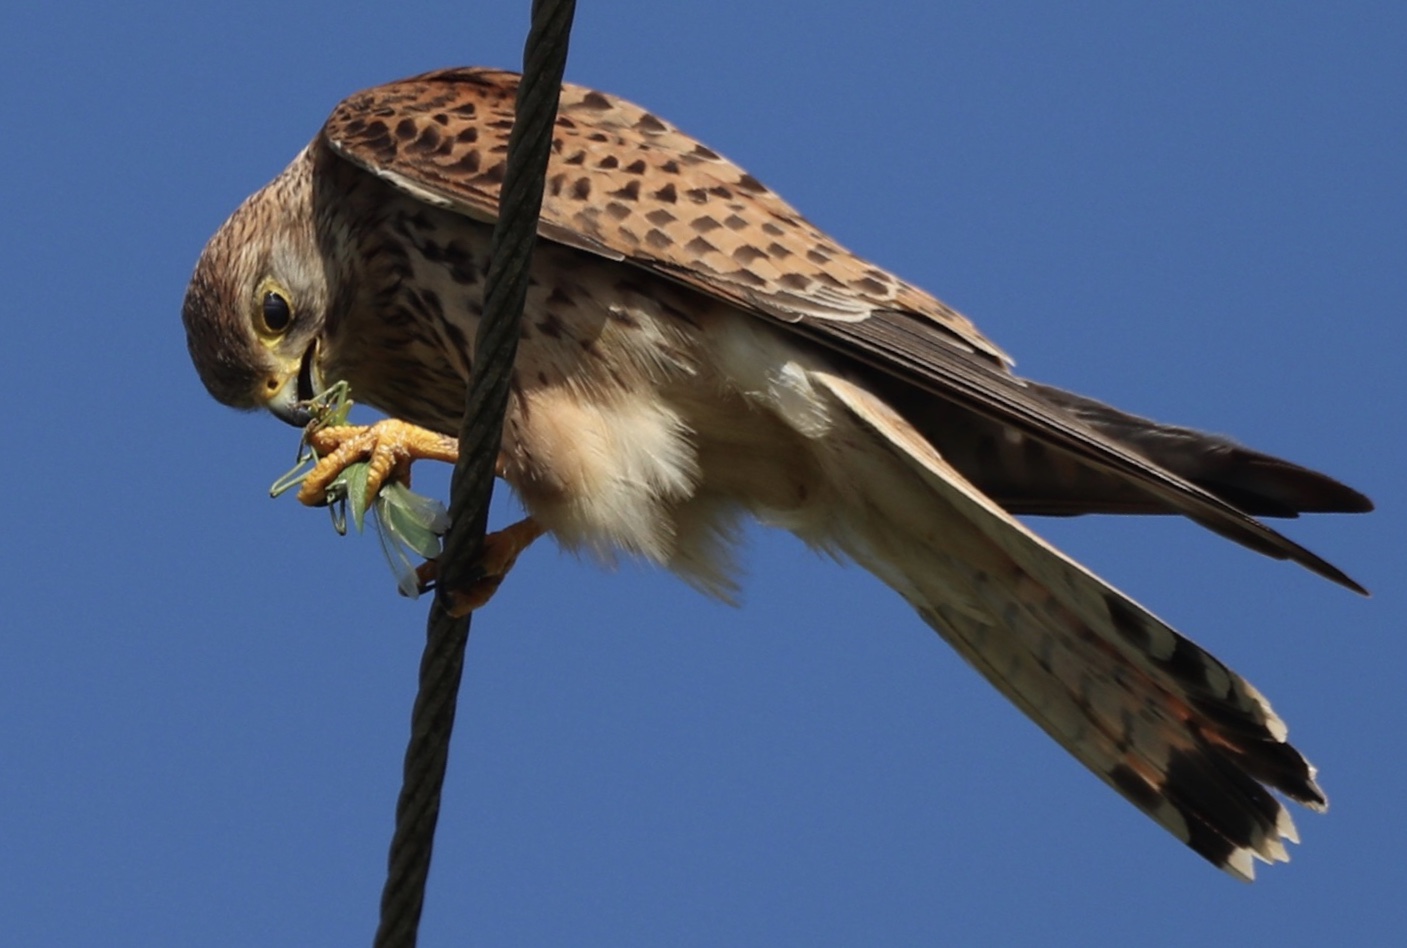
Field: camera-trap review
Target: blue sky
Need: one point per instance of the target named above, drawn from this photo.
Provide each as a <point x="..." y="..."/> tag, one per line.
<point x="1195" y="212"/>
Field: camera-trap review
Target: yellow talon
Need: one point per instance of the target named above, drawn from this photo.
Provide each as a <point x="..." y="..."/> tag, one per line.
<point x="500" y="552"/>
<point x="389" y="447"/>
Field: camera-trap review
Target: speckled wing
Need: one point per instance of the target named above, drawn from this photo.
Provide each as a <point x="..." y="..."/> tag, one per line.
<point x="628" y="186"/>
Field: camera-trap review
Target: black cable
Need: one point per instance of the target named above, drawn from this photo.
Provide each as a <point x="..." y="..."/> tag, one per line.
<point x="442" y="664"/>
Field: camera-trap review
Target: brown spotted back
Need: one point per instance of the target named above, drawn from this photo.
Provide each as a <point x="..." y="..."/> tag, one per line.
<point x="626" y="184"/>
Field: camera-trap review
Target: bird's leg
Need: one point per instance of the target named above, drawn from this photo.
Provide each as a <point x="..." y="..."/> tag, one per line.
<point x="499" y="553"/>
<point x="389" y="447"/>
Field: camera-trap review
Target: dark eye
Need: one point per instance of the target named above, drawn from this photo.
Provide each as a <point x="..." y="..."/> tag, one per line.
<point x="277" y="313"/>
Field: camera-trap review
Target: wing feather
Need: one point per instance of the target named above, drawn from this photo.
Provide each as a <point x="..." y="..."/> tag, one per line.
<point x="680" y="210"/>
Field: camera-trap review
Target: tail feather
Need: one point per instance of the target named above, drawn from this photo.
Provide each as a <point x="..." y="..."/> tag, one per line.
<point x="1152" y="714"/>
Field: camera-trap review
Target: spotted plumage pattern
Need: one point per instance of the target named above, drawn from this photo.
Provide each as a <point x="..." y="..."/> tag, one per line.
<point x="694" y="350"/>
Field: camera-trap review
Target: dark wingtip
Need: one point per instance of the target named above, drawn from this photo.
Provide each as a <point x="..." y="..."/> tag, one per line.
<point x="1307" y="490"/>
<point x="1317" y="564"/>
<point x="1256" y="483"/>
<point x="1255" y="535"/>
<point x="1265" y="486"/>
<point x="1360" y="503"/>
<point x="1331" y="572"/>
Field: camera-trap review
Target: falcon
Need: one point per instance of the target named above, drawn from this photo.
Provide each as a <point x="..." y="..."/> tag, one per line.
<point x="695" y="352"/>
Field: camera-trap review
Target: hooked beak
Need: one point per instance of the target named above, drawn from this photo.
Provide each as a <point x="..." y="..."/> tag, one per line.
<point x="291" y="402"/>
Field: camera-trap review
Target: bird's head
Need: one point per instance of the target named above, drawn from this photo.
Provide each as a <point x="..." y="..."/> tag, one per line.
<point x="257" y="303"/>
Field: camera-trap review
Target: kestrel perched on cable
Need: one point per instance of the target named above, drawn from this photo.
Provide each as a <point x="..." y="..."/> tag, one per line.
<point x="695" y="351"/>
